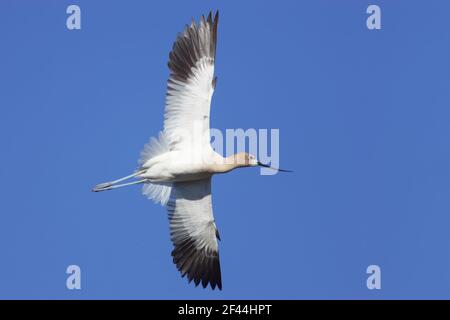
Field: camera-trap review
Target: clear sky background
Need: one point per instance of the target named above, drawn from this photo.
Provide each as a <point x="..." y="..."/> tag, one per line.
<point x="364" y="122"/>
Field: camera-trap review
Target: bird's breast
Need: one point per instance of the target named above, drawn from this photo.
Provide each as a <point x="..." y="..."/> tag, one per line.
<point x="176" y="167"/>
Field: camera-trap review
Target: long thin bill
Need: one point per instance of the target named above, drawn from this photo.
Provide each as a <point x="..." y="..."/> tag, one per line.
<point x="277" y="169"/>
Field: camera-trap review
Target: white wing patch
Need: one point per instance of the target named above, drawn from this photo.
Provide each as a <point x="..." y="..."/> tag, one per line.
<point x="187" y="110"/>
<point x="191" y="85"/>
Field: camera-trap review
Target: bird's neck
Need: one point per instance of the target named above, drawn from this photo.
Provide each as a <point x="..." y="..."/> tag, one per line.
<point x="224" y="165"/>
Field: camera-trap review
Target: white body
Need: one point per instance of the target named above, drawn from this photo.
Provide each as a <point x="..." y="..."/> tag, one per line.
<point x="175" y="166"/>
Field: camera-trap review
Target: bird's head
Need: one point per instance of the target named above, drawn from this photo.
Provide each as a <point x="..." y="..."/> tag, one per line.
<point x="244" y="159"/>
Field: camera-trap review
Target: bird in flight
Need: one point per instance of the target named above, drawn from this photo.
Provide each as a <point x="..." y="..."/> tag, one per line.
<point x="176" y="167"/>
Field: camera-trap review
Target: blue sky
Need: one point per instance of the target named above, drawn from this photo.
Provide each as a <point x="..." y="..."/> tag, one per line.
<point x="363" y="118"/>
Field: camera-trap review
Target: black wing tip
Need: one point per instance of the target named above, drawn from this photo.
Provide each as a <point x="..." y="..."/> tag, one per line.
<point x="192" y="44"/>
<point x="213" y="16"/>
<point x="215" y="21"/>
<point x="216" y="15"/>
<point x="200" y="266"/>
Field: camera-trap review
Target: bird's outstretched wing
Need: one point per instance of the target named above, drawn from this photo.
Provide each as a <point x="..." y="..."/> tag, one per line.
<point x="191" y="84"/>
<point x="194" y="233"/>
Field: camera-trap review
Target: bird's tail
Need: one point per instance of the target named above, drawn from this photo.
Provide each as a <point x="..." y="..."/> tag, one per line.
<point x="155" y="147"/>
<point x="158" y="192"/>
